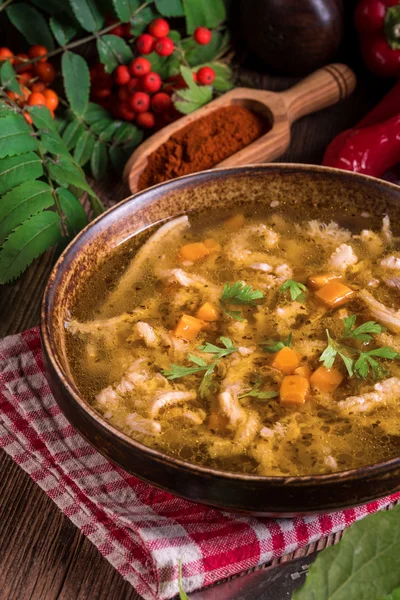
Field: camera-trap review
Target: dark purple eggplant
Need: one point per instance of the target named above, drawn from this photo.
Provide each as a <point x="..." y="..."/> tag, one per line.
<point x="291" y="37"/>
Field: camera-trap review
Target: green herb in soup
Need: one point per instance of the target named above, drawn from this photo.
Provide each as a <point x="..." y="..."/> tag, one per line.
<point x="262" y="344"/>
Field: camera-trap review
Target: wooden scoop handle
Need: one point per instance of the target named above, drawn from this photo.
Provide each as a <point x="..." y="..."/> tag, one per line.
<point x="321" y="89"/>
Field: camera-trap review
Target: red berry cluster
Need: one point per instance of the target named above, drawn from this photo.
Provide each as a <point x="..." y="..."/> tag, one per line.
<point x="33" y="78"/>
<point x="131" y="93"/>
<point x="136" y="93"/>
<point x="156" y="39"/>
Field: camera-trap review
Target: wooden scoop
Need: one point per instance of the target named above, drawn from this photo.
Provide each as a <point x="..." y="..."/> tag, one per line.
<point x="321" y="89"/>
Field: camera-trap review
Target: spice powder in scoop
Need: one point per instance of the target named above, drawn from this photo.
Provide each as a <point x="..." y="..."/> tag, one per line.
<point x="203" y="144"/>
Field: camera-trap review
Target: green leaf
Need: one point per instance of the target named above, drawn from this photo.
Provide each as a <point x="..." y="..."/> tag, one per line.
<point x="118" y="157"/>
<point x="16" y="136"/>
<point x="99" y="160"/>
<point x="165" y="66"/>
<point x="99" y="126"/>
<point x="276" y="345"/>
<point x="223" y="76"/>
<point x="53" y="143"/>
<point x="15" y="170"/>
<point x="365" y="565"/>
<point x="88" y="14"/>
<point x="31" y="23"/>
<point x="295" y="288"/>
<point x="128" y="135"/>
<point x="170" y="8"/>
<point x="62" y="29"/>
<point x="108" y="132"/>
<point x="6" y="109"/>
<point x="41" y="118"/>
<point x="8" y="79"/>
<point x="50" y="6"/>
<point x="141" y="21"/>
<point x="72" y="133"/>
<point x="73" y="210"/>
<point x="60" y="124"/>
<point x="66" y="172"/>
<point x="95" y="112"/>
<point x="113" y="51"/>
<point x="197" y="55"/>
<point x="395" y="595"/>
<point x="205" y="13"/>
<point x="22" y="202"/>
<point x="192" y="99"/>
<point x="124" y="9"/>
<point x="84" y="147"/>
<point x="28" y="241"/>
<point x="76" y="81"/>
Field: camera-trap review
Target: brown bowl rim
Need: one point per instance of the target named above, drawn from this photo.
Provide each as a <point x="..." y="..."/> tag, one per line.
<point x="171" y="185"/>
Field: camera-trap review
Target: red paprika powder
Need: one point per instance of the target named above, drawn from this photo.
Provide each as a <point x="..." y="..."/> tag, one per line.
<point x="203" y="144"/>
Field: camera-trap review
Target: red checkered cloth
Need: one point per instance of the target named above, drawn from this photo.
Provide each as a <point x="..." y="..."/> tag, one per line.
<point x="142" y="531"/>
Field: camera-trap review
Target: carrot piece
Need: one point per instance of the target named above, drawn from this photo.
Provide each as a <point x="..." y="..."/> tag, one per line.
<point x="194" y="251"/>
<point x="286" y="360"/>
<point x="326" y="380"/>
<point x="304" y="371"/>
<point x="294" y="390"/>
<point x="207" y="312"/>
<point x="234" y="223"/>
<point x="212" y="245"/>
<point x="188" y="327"/>
<point x="334" y="294"/>
<point x="318" y="281"/>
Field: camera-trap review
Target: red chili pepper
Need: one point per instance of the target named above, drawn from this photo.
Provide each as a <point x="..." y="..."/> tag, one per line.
<point x="370" y="150"/>
<point x="378" y="26"/>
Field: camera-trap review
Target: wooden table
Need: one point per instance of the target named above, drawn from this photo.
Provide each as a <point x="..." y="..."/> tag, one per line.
<point x="43" y="556"/>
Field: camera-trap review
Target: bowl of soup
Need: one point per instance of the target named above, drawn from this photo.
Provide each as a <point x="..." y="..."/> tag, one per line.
<point x="233" y="337"/>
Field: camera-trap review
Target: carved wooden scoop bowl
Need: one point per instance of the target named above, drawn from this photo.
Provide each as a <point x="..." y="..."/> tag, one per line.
<point x="321" y="89"/>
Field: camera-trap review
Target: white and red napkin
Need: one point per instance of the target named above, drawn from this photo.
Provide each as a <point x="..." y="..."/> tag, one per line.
<point x="142" y="531"/>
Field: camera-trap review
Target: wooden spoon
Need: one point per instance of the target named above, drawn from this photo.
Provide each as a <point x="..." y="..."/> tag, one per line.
<point x="321" y="89"/>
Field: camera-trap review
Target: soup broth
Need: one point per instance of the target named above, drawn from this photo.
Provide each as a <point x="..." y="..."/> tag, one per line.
<point x="259" y="342"/>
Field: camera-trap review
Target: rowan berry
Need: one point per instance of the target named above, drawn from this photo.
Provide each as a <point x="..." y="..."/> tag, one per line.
<point x="20" y="62"/>
<point x="161" y="102"/>
<point x="205" y="75"/>
<point x="140" y="66"/>
<point x="38" y="51"/>
<point x="118" y="31"/>
<point x="202" y="36"/>
<point x="125" y="112"/>
<point x="27" y="118"/>
<point x="36" y="98"/>
<point x="159" y="28"/>
<point x="38" y="86"/>
<point x="123" y="93"/>
<point x="146" y="120"/>
<point x="24" y="78"/>
<point x="46" y="72"/>
<point x="100" y="92"/>
<point x="127" y="30"/>
<point x="134" y="85"/>
<point x="145" y="43"/>
<point x="151" y="82"/>
<point x="51" y="99"/>
<point x="122" y="75"/>
<point x="164" y="46"/>
<point x="140" y="102"/>
<point x="6" y="54"/>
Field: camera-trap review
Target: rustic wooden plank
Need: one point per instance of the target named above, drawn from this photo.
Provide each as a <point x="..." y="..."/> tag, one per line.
<point x="42" y="555"/>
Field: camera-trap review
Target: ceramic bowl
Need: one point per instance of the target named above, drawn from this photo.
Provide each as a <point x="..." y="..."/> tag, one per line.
<point x="302" y="187"/>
